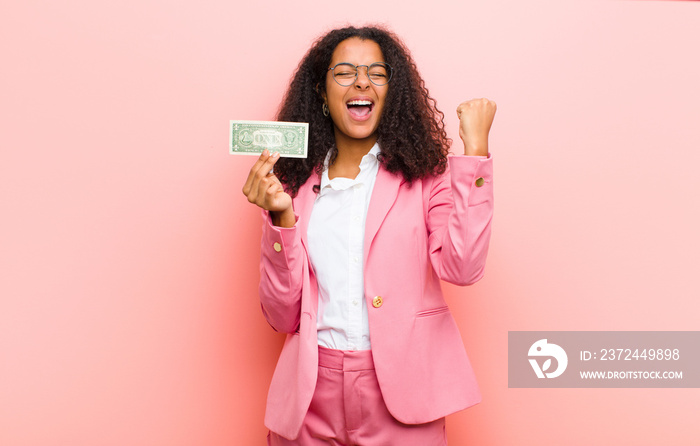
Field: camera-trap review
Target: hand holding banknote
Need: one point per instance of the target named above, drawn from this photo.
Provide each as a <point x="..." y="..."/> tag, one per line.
<point x="264" y="189"/>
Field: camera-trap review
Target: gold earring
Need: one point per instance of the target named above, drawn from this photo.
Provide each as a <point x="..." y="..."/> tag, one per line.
<point x="325" y="110"/>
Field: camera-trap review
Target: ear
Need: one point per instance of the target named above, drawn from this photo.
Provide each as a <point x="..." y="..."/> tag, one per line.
<point x="322" y="92"/>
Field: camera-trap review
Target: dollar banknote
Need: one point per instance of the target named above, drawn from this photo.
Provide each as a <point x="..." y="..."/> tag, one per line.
<point x="290" y="139"/>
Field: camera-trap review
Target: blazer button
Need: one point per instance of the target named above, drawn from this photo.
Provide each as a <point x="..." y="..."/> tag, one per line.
<point x="479" y="182"/>
<point x="277" y="247"/>
<point x="377" y="301"/>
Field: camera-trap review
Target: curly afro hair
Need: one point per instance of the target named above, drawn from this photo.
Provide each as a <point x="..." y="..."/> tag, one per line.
<point x="411" y="131"/>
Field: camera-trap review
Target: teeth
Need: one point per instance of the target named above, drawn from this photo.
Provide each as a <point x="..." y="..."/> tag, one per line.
<point x="360" y="102"/>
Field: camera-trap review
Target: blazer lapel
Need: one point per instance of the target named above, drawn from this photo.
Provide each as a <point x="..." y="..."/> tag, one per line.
<point x="384" y="194"/>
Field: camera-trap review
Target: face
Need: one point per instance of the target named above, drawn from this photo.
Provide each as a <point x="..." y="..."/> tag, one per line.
<point x="356" y="109"/>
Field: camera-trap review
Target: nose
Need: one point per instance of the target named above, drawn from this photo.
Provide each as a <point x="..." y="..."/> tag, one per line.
<point x="362" y="81"/>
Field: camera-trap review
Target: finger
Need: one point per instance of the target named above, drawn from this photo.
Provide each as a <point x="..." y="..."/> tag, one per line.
<point x="271" y="193"/>
<point x="258" y="190"/>
<point x="261" y="193"/>
<point x="267" y="193"/>
<point x="259" y="172"/>
<point x="267" y="166"/>
<point x="264" y="178"/>
<point x="253" y="171"/>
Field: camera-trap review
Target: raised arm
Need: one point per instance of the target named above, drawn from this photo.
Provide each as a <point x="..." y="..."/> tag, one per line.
<point x="460" y="204"/>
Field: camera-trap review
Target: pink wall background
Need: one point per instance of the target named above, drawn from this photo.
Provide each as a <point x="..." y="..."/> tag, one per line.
<point x="128" y="255"/>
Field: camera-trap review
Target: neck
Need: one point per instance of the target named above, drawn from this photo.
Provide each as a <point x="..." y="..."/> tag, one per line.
<point x="350" y="153"/>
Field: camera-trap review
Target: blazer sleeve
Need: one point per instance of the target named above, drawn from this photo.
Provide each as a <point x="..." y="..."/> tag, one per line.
<point x="459" y="214"/>
<point x="281" y="265"/>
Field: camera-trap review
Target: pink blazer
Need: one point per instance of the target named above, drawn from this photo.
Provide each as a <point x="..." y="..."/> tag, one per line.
<point x="438" y="228"/>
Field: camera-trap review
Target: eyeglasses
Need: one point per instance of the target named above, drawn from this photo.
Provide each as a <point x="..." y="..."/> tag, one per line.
<point x="345" y="74"/>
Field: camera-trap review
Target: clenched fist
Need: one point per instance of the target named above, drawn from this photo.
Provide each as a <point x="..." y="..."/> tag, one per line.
<point x="475" y="119"/>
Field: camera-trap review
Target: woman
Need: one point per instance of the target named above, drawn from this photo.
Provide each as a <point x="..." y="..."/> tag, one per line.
<point x="355" y="242"/>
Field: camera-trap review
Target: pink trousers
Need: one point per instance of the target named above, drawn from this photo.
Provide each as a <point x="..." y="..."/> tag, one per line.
<point x="348" y="409"/>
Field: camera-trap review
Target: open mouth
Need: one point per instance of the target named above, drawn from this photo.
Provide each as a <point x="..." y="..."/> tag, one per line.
<point x="360" y="108"/>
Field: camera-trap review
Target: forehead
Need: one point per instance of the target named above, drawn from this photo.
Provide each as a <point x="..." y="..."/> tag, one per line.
<point x="357" y="51"/>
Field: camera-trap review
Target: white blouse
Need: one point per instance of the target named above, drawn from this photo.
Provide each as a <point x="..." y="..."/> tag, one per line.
<point x="336" y="234"/>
